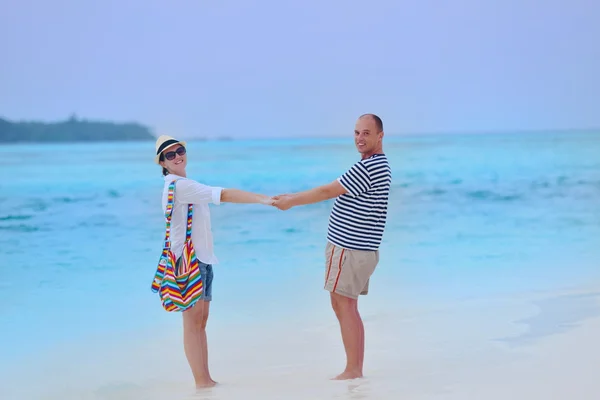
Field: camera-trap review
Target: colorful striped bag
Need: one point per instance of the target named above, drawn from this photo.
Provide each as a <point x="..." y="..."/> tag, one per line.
<point x="179" y="290"/>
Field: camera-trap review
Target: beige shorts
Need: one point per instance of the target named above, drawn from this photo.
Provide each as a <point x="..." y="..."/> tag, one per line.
<point x="347" y="271"/>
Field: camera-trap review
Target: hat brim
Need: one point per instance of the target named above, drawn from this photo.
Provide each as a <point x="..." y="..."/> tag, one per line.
<point x="157" y="158"/>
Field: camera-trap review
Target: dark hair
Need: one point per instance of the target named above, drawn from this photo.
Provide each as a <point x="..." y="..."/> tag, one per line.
<point x="165" y="171"/>
<point x="378" y="121"/>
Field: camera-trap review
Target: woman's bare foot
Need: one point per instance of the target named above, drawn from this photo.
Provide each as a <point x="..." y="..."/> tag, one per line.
<point x="348" y="375"/>
<point x="205" y="384"/>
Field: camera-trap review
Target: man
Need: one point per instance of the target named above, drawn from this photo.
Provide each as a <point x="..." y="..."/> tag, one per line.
<point x="356" y="225"/>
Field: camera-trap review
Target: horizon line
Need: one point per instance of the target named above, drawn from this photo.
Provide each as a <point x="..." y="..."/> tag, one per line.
<point x="404" y="134"/>
<point x="225" y="137"/>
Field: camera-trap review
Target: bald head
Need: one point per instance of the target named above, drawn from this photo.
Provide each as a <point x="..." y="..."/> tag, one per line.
<point x="378" y="121"/>
<point x="368" y="135"/>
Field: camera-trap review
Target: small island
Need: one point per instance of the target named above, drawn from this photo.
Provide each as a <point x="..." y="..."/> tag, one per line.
<point x="72" y="130"/>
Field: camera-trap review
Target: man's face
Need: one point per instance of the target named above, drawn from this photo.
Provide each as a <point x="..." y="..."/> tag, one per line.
<point x="367" y="137"/>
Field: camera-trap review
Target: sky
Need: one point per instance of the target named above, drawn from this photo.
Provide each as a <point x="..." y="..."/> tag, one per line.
<point x="272" y="68"/>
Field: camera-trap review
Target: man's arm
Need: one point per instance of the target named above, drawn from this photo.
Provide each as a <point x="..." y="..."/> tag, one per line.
<point x="315" y="195"/>
<point x="240" y="196"/>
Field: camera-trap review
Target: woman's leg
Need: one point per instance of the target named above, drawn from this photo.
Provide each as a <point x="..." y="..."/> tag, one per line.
<point x="205" y="340"/>
<point x="195" y="343"/>
<point x="207" y="279"/>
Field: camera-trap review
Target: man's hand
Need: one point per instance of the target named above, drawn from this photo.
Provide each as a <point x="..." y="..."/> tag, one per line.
<point x="321" y="193"/>
<point x="283" y="201"/>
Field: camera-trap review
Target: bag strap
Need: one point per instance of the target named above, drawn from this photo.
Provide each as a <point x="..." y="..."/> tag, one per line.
<point x="188" y="232"/>
<point x="169" y="214"/>
<point x="160" y="271"/>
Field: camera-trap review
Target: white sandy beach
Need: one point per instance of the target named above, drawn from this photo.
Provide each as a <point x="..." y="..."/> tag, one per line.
<point x="536" y="346"/>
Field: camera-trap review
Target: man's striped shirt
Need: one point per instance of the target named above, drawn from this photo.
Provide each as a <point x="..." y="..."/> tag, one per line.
<point x="358" y="217"/>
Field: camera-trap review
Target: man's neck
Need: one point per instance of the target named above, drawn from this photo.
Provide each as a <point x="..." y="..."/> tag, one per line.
<point x="379" y="150"/>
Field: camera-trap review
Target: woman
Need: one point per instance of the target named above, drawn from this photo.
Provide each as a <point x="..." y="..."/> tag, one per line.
<point x="171" y="155"/>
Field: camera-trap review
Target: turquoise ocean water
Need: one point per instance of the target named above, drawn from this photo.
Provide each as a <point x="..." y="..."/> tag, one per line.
<point x="470" y="216"/>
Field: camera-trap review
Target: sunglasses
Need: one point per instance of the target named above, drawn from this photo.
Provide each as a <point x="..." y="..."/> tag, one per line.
<point x="170" y="155"/>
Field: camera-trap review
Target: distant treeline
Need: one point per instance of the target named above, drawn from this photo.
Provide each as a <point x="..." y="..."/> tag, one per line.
<point x="71" y="130"/>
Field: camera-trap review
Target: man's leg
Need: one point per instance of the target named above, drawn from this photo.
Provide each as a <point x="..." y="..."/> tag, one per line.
<point x="347" y="274"/>
<point x="353" y="335"/>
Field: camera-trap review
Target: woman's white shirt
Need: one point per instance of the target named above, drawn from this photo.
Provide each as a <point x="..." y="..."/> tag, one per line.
<point x="188" y="191"/>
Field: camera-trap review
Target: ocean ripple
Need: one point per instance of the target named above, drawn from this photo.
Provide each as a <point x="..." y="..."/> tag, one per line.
<point x="20" y="228"/>
<point x="99" y="221"/>
<point x="489" y="195"/>
<point x="15" y="217"/>
<point x="73" y="199"/>
<point x="495" y="189"/>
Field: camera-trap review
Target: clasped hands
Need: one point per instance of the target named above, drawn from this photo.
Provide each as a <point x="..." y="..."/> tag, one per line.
<point x="281" y="201"/>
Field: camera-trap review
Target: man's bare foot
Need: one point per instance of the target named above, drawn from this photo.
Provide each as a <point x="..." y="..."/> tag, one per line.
<point x="347" y="375"/>
<point x="205" y="384"/>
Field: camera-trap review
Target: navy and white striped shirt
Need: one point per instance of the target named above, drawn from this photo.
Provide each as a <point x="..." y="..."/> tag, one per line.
<point x="358" y="217"/>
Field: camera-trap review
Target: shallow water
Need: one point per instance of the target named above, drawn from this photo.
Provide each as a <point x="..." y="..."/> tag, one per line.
<point x="471" y="217"/>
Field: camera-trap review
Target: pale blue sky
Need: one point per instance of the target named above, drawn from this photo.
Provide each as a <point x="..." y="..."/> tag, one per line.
<point x="283" y="68"/>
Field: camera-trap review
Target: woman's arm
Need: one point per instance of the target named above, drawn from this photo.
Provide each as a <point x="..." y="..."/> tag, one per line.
<point x="240" y="196"/>
<point x="189" y="191"/>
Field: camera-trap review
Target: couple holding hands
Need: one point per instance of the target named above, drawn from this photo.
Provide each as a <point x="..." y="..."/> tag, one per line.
<point x="354" y="234"/>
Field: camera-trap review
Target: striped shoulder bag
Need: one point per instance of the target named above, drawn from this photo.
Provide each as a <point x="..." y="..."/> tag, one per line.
<point x="179" y="289"/>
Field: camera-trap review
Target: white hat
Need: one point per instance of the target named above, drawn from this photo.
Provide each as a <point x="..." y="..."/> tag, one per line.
<point x="164" y="142"/>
